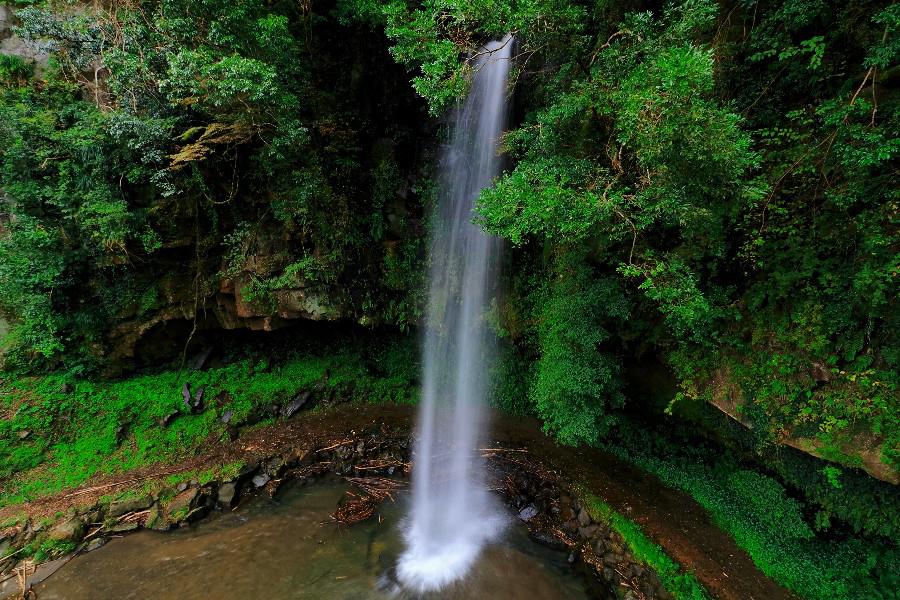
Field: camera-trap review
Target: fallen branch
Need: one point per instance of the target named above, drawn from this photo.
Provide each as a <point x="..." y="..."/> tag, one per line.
<point x="338" y="445"/>
<point x="97" y="488"/>
<point x="356" y="508"/>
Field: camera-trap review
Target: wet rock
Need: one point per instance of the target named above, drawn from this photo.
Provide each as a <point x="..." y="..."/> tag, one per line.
<point x="197" y="405"/>
<point x="584" y="519"/>
<point x="166" y="420"/>
<point x="94" y="544"/>
<point x="226" y="494"/>
<point x="528" y="513"/>
<point x="226" y="418"/>
<point x="587" y="532"/>
<point x="274" y="466"/>
<point x="548" y="539"/>
<point x="296" y="404"/>
<point x="156" y="520"/>
<point x="186" y="396"/>
<point x="67" y="531"/>
<point x="123" y="527"/>
<point x="121" y="507"/>
<point x="260" y="480"/>
<point x="181" y="504"/>
<point x="121" y="432"/>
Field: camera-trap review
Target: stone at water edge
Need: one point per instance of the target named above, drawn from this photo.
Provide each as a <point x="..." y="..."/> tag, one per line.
<point x="69" y="530"/>
<point x="123" y="527"/>
<point x="260" y="480"/>
<point x="584" y="519"/>
<point x="226" y="494"/>
<point x="182" y="502"/>
<point x="121" y="507"/>
<point x="528" y="513"/>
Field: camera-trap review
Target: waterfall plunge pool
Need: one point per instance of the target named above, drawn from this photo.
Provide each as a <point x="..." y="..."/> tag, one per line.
<point x="279" y="549"/>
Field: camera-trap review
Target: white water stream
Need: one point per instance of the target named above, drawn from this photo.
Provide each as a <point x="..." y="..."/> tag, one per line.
<point x="452" y="514"/>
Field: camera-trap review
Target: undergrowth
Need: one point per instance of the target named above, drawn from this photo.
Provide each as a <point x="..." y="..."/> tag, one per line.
<point x="60" y="431"/>
<point x="775" y="528"/>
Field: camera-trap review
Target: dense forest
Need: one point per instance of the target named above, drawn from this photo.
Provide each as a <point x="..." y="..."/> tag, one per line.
<point x="700" y="193"/>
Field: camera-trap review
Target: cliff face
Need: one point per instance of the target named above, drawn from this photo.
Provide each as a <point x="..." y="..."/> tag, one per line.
<point x="234" y="181"/>
<point x="857" y="447"/>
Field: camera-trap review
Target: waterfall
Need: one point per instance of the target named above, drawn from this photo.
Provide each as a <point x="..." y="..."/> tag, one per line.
<point x="452" y="514"/>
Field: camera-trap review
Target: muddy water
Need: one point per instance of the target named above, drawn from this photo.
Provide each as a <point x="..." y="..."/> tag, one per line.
<point x="278" y="549"/>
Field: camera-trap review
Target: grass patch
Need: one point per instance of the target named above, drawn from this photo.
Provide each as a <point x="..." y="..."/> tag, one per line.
<point x="60" y="431"/>
<point x="682" y="585"/>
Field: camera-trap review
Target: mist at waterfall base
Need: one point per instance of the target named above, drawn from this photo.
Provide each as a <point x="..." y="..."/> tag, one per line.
<point x="453" y="515"/>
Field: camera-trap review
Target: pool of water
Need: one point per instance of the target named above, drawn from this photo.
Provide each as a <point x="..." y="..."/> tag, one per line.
<point x="280" y="549"/>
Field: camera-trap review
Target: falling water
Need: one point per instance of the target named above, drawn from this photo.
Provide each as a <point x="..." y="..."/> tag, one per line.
<point x="452" y="513"/>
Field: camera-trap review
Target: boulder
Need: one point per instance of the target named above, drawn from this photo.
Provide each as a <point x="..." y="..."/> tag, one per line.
<point x="180" y="506"/>
<point x="123" y="527"/>
<point x="584" y="519"/>
<point x="528" y="513"/>
<point x="296" y="404"/>
<point x="122" y="507"/>
<point x="69" y="530"/>
<point x="226" y="494"/>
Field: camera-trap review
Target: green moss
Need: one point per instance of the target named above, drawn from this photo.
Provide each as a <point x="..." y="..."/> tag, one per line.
<point x="105" y="427"/>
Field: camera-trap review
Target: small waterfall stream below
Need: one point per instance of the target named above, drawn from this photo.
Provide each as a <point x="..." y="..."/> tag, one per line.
<point x="452" y="514"/>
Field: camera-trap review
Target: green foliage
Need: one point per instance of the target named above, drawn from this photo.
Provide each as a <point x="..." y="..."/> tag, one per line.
<point x="683" y="586"/>
<point x="740" y="181"/>
<point x="216" y="141"/>
<point x="576" y="384"/>
<point x="770" y="524"/>
<point x="14" y="71"/>
<point x="114" y="426"/>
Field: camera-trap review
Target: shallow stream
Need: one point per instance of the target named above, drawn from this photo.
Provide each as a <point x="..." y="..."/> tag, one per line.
<point x="279" y="549"/>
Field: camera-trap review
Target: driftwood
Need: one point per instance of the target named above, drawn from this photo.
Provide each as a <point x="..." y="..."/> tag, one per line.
<point x="358" y="507"/>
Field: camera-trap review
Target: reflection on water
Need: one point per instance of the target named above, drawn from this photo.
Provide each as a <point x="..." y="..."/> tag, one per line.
<point x="279" y="550"/>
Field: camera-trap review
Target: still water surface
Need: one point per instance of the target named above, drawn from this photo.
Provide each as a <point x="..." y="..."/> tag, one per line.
<point x="279" y="549"/>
